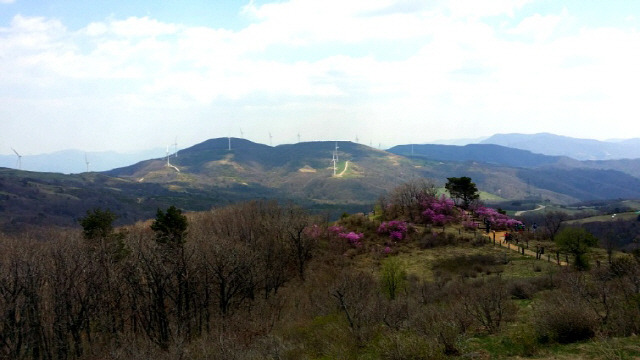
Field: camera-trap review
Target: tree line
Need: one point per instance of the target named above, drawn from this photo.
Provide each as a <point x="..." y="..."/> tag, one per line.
<point x="170" y="281"/>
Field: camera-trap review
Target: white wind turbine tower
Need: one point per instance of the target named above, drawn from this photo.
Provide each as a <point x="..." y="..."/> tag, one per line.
<point x="19" y="162"/>
<point x="168" y="163"/>
<point x="270" y="139"/>
<point x="86" y="161"/>
<point x="298" y="136"/>
<point x="175" y="145"/>
<point x="357" y="140"/>
<point x="335" y="159"/>
<point x="241" y="134"/>
<point x="229" y="138"/>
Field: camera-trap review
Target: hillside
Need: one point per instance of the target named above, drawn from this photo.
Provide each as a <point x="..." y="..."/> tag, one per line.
<point x="29" y="200"/>
<point x="488" y="153"/>
<point x="302" y="170"/>
<point x="209" y="175"/>
<point x="580" y="149"/>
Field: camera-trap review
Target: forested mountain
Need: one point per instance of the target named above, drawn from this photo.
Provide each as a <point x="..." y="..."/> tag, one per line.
<point x="211" y="174"/>
<point x="488" y="153"/>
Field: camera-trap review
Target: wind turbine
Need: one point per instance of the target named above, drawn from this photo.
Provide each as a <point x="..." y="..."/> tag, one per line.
<point x="298" y="136"/>
<point x="241" y="134"/>
<point x="270" y="139"/>
<point x="175" y="144"/>
<point x="19" y="162"/>
<point x="335" y="159"/>
<point x="168" y="164"/>
<point x="86" y="161"/>
<point x="357" y="140"/>
<point x="229" y="137"/>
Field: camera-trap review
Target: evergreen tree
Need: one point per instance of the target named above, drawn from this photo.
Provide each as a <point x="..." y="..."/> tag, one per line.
<point x="462" y="190"/>
<point x="170" y="227"/>
<point x="98" y="224"/>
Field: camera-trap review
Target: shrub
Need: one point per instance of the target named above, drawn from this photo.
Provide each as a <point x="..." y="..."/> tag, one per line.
<point x="359" y="223"/>
<point x="560" y="318"/>
<point x="435" y="239"/>
<point x="446" y="324"/>
<point x="465" y="263"/>
<point x="521" y="289"/>
<point x="487" y="300"/>
<point x="352" y="237"/>
<point x="394" y="277"/>
<point x="396" y="230"/>
<point x="497" y="220"/>
<point x="439" y="211"/>
<point x="406" y="345"/>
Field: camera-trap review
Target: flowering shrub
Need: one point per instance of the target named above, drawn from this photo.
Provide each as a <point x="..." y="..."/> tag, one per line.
<point x="336" y="229"/>
<point x="352" y="237"/>
<point x="438" y="211"/>
<point x="498" y="221"/>
<point x="387" y="250"/>
<point x="396" y="229"/>
<point x="468" y="223"/>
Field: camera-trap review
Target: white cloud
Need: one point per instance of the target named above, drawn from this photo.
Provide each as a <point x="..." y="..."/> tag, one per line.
<point x="479" y="9"/>
<point x="141" y="27"/>
<point x="538" y="27"/>
<point x="319" y="63"/>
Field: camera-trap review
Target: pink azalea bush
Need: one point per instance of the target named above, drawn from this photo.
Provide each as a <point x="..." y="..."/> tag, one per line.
<point x="353" y="238"/>
<point x="439" y="211"/>
<point x="396" y="229"/>
<point x="498" y="221"/>
<point x="469" y="225"/>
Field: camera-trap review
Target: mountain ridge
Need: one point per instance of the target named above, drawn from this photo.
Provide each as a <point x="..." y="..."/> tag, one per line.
<point x="209" y="174"/>
<point x="579" y="149"/>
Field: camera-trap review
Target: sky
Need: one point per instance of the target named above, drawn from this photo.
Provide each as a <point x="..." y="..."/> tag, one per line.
<point x="128" y="75"/>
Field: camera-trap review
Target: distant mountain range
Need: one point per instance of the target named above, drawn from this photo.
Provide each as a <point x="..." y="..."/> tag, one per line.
<point x="579" y="149"/>
<point x="75" y="161"/>
<point x="209" y="174"/>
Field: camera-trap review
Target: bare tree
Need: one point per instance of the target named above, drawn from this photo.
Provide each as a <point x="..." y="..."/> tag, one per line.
<point x="405" y="201"/>
<point x="553" y="222"/>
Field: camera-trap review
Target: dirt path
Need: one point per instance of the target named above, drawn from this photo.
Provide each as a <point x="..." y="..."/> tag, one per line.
<point x="346" y="166"/>
<point x="540" y="207"/>
<point x="499" y="237"/>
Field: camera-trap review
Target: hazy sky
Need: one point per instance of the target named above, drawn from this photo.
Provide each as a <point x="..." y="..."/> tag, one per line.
<point x="126" y="75"/>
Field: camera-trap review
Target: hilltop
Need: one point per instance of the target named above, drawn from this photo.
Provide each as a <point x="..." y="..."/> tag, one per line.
<point x="210" y="174"/>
